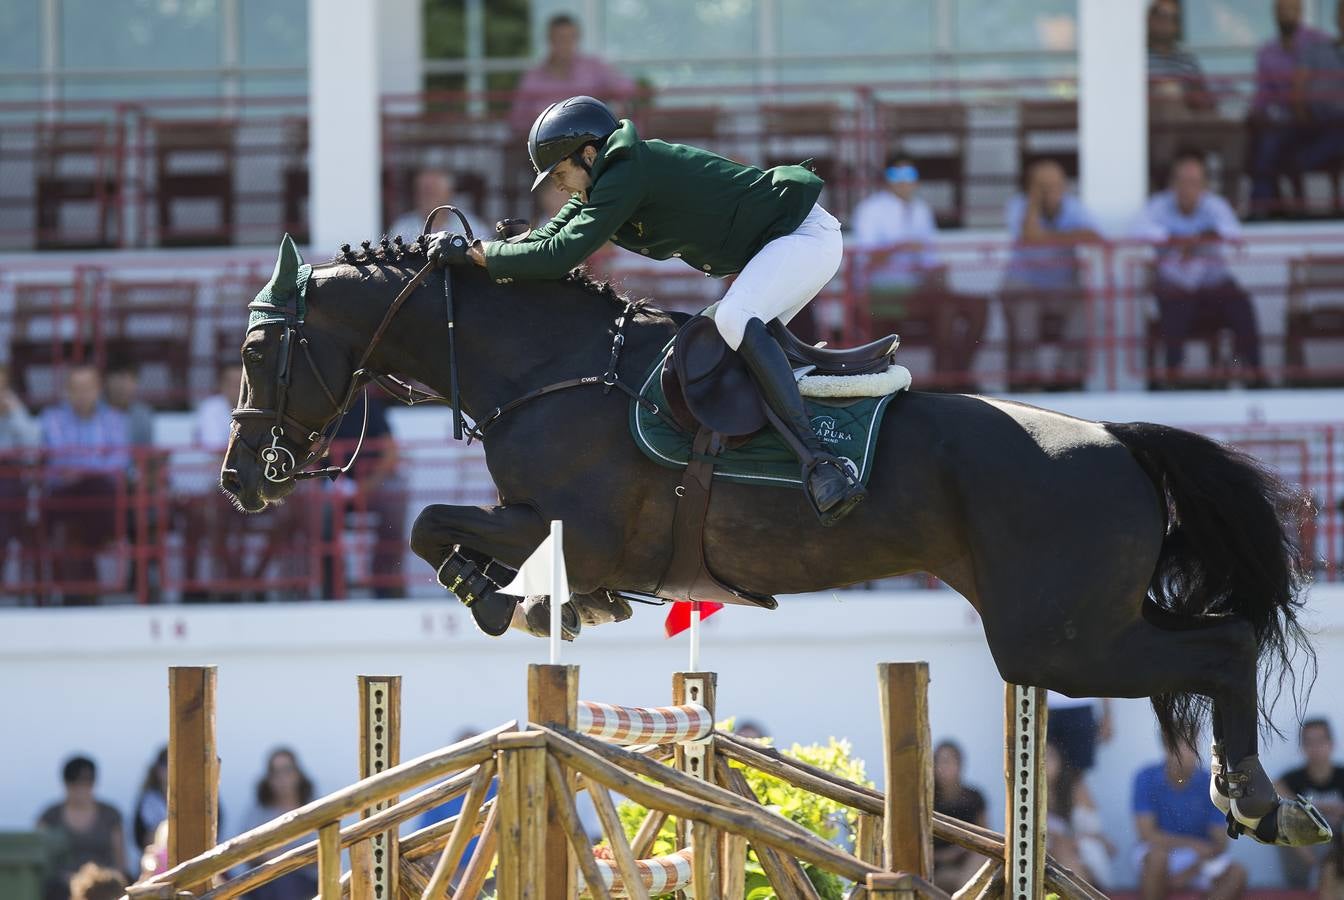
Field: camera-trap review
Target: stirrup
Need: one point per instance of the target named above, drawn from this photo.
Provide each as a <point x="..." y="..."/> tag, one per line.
<point x="853" y="496"/>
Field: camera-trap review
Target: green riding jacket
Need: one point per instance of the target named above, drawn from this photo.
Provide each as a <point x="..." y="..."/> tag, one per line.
<point x="664" y="200"/>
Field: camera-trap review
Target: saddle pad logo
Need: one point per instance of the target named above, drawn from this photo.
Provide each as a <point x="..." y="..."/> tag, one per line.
<point x="826" y="429"/>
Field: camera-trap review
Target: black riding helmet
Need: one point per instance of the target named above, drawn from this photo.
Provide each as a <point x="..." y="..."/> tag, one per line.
<point x="563" y="129"/>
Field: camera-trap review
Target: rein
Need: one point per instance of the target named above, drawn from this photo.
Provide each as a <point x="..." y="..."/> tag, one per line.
<point x="280" y="465"/>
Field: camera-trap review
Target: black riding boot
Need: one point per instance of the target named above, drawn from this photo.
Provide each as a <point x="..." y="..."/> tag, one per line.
<point x="834" y="491"/>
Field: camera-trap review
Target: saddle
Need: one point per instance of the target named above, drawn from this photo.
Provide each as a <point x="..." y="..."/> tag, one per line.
<point x="710" y="394"/>
<point x="707" y="384"/>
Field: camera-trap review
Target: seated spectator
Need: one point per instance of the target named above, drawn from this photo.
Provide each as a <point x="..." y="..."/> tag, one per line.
<point x="1320" y="781"/>
<point x="123" y="395"/>
<point x="907" y="285"/>
<point x="565" y="72"/>
<point x="18" y="432"/>
<point x="1176" y="85"/>
<point x="284" y="787"/>
<point x="93" y="882"/>
<point x="1043" y="292"/>
<point x="154" y="859"/>
<point x="151" y="806"/>
<point x="435" y="188"/>
<point x="953" y="866"/>
<point x="1192" y="282"/>
<point x="87" y="829"/>
<point x="1320" y="93"/>
<point x="88" y="458"/>
<point x="374" y="485"/>
<point x="1275" y="120"/>
<point x="1075" y="837"/>
<point x="1182" y="836"/>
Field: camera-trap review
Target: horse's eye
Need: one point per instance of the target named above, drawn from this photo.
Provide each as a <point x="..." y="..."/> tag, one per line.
<point x="251" y="356"/>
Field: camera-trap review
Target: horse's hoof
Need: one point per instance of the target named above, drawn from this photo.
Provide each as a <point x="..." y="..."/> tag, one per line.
<point x="537" y="615"/>
<point x="493" y="612"/>
<point x="1292" y="823"/>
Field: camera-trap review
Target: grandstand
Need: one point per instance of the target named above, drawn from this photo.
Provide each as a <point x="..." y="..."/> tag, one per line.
<point x="152" y="155"/>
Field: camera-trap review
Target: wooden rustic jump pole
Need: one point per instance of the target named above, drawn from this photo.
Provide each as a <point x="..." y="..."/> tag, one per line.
<point x="193" y="765"/>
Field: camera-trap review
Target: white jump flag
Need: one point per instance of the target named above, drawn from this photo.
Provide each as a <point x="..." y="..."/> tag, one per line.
<point x="544" y="573"/>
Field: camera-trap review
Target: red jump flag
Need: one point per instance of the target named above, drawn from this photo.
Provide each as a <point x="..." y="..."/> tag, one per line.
<point x="679" y="617"/>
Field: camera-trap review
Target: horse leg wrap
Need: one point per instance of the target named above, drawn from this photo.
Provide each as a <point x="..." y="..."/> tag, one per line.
<point x="470" y="579"/>
<point x="1247" y="797"/>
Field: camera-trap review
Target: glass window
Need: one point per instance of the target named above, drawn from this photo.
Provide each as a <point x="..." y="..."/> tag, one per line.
<point x="643" y="29"/>
<point x="1227" y="23"/>
<point x="856" y="27"/>
<point x="275" y="32"/>
<point x="20" y="40"/>
<point x="140" y="34"/>
<point x="1016" y="25"/>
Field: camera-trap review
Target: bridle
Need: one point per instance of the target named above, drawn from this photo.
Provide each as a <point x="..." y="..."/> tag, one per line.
<point x="279" y="464"/>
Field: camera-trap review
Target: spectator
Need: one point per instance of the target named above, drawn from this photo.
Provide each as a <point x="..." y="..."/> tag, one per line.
<point x="565" y="72"/>
<point x="123" y="388"/>
<point x="1182" y="836"/>
<point x="1192" y="282"/>
<point x="18" y="432"/>
<point x="435" y="188"/>
<point x="907" y="285"/>
<point x="213" y="418"/>
<point x="92" y="882"/>
<point x="1042" y="289"/>
<point x="154" y="859"/>
<point x="1076" y="836"/>
<point x="1320" y="94"/>
<point x="374" y="485"/>
<point x="284" y="787"/>
<point x="750" y="729"/>
<point x="952" y="865"/>
<point x="151" y="806"/>
<point x="88" y="461"/>
<point x="1176" y="83"/>
<point x="1275" y="120"/>
<point x="1076" y="729"/>
<point x="87" y="830"/>
<point x="454" y="806"/>
<point x="1321" y="782"/>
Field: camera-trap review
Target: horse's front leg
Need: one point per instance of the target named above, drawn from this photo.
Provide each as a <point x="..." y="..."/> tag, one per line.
<point x="473" y="550"/>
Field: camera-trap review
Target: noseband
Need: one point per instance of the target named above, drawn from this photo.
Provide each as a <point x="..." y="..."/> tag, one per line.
<point x="278" y="463"/>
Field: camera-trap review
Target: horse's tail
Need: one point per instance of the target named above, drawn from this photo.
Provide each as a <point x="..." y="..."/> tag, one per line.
<point x="1231" y="547"/>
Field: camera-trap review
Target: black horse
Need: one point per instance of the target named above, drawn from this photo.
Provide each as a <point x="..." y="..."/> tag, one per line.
<point x="1116" y="560"/>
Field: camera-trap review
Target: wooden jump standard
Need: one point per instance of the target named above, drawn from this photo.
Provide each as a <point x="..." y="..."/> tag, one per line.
<point x="532" y="828"/>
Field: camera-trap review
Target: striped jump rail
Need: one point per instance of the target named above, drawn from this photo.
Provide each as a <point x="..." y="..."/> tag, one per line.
<point x="644" y="724"/>
<point x="661" y="875"/>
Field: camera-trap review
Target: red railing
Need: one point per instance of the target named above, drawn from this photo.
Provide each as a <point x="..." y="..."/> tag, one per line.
<point x="167" y="533"/>
<point x="234" y="171"/>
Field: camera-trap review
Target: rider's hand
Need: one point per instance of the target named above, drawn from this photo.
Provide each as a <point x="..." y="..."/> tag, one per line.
<point x="448" y="249"/>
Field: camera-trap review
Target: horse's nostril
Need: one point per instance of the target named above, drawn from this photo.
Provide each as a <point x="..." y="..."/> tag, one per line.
<point x="229" y="480"/>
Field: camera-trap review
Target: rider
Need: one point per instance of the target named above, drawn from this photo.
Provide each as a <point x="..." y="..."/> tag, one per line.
<point x="669" y="200"/>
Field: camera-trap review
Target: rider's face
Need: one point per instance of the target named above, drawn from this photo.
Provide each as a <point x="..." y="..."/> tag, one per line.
<point x="572" y="178"/>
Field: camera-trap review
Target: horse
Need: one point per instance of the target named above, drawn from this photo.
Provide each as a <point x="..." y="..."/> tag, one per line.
<point x="1104" y="559"/>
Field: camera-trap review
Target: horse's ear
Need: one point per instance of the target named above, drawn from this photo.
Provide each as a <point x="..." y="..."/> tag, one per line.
<point x="284" y="280"/>
<point x="287" y="263"/>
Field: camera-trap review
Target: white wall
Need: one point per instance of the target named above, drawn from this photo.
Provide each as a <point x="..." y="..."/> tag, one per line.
<point x="95" y="681"/>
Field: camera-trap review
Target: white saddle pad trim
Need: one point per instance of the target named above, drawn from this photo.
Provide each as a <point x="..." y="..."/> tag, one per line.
<point x="874" y="384"/>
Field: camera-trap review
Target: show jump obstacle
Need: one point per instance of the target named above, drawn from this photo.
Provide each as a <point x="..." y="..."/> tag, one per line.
<point x="530" y="830"/>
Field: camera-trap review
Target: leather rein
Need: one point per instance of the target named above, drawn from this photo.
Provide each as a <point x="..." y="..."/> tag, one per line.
<point x="279" y="464"/>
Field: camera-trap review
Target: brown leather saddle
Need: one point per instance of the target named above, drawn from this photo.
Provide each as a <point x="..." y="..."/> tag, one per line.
<point x="710" y="394"/>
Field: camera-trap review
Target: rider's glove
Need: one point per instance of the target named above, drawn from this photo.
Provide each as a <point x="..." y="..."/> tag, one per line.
<point x="448" y="249"/>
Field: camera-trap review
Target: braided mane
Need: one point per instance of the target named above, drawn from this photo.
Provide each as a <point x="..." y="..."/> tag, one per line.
<point x="413" y="254"/>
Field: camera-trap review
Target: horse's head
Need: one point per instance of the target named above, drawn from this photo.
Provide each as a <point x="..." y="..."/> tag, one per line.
<point x="297" y="374"/>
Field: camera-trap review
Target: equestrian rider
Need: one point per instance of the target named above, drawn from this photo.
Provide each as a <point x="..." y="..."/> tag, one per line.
<point x="669" y="200"/>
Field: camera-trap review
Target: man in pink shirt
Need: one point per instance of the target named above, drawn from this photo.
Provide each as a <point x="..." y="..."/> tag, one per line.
<point x="565" y="72"/>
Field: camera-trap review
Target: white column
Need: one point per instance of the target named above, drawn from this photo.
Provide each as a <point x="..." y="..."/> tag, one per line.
<point x="345" y="194"/>
<point x="1113" y="109"/>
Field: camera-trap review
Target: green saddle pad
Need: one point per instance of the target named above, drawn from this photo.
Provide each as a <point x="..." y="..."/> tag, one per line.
<point x="847" y="428"/>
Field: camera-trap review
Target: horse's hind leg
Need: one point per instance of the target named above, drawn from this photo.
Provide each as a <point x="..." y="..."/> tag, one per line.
<point x="1211" y="657"/>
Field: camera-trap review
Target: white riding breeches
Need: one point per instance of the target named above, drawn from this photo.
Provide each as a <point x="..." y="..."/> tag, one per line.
<point x="783" y="276"/>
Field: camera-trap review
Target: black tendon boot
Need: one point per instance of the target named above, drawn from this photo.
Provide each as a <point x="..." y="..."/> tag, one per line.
<point x="1247" y="797"/>
<point x="831" y="487"/>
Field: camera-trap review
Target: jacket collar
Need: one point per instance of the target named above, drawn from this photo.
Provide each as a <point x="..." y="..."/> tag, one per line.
<point x="618" y="146"/>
